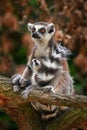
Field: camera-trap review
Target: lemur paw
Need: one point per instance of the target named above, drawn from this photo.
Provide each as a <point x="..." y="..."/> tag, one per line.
<point x="25" y="94"/>
<point x="16" y="88"/>
<point x="15" y="79"/>
<point x="18" y="81"/>
<point x="23" y="82"/>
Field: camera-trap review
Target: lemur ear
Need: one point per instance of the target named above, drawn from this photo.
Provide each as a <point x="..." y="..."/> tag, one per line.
<point x="51" y="28"/>
<point x="30" y="26"/>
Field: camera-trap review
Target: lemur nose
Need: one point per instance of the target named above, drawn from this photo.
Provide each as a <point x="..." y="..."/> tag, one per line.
<point x="35" y="35"/>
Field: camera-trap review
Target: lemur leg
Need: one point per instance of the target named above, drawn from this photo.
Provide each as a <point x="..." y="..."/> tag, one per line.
<point x="30" y="88"/>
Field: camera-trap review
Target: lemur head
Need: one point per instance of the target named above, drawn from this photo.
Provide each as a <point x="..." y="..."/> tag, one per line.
<point x="41" y="31"/>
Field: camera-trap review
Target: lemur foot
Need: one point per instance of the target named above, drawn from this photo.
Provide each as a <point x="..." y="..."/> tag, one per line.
<point x="23" y="82"/>
<point x="15" y="79"/>
<point x="26" y="92"/>
<point x="16" y="88"/>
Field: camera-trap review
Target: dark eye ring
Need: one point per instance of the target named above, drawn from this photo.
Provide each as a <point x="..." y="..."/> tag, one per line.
<point x="33" y="30"/>
<point x="42" y="30"/>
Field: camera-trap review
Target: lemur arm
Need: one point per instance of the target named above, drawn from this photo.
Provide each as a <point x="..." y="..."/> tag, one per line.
<point x="26" y="76"/>
<point x="23" y="80"/>
<point x="27" y="71"/>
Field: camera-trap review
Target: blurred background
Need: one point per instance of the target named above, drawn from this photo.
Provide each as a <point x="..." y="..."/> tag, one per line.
<point x="70" y="19"/>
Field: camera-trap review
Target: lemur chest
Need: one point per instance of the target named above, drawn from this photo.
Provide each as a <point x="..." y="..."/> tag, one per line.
<point x="41" y="52"/>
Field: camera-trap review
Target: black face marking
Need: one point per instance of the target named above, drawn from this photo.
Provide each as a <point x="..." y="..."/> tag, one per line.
<point x="57" y="51"/>
<point x="51" y="30"/>
<point x="33" y="29"/>
<point x="35" y="35"/>
<point x="36" y="63"/>
<point x="42" y="30"/>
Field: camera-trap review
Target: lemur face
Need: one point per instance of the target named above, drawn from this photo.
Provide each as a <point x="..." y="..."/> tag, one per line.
<point x="41" y="31"/>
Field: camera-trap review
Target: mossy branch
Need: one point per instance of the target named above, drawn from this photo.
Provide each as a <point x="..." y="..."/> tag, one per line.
<point x="76" y="101"/>
<point x="21" y="111"/>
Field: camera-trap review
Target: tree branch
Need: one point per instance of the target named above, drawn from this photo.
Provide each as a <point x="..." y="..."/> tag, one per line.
<point x="75" y="118"/>
<point x="76" y="101"/>
<point x="24" y="115"/>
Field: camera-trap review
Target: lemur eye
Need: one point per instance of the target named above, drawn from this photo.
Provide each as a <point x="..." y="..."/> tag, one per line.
<point x="33" y="30"/>
<point x="42" y="30"/>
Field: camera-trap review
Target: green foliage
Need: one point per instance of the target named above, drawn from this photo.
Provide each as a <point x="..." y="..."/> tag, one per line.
<point x="6" y="123"/>
<point x="19" y="51"/>
<point x="33" y="3"/>
<point x="19" y="57"/>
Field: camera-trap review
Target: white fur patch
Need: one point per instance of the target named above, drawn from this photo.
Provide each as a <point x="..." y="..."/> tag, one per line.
<point x="39" y="27"/>
<point x="63" y="50"/>
<point x="45" y="77"/>
<point x="50" y="64"/>
<point x="33" y="81"/>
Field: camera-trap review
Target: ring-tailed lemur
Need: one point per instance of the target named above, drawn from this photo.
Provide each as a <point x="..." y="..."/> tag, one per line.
<point x="51" y="72"/>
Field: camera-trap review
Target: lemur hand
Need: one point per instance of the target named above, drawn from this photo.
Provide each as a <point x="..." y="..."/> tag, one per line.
<point x="18" y="82"/>
<point x="15" y="81"/>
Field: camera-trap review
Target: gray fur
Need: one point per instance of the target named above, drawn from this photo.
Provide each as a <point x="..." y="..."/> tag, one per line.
<point x="45" y="50"/>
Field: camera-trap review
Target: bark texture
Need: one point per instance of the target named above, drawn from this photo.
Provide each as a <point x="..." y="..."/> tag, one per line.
<point x="27" y="118"/>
